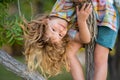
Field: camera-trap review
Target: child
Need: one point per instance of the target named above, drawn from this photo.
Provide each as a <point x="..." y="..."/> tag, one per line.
<point x="46" y="41"/>
<point x="66" y="9"/>
<point x="107" y="32"/>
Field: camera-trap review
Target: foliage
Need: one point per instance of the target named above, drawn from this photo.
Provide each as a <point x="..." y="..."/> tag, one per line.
<point x="47" y="5"/>
<point x="10" y="32"/>
<point x="13" y="32"/>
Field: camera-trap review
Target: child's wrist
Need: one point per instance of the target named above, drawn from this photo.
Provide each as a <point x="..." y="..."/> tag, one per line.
<point x="81" y="20"/>
<point x="81" y="23"/>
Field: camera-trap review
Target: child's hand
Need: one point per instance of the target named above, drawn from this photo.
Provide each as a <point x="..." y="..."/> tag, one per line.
<point x="84" y="12"/>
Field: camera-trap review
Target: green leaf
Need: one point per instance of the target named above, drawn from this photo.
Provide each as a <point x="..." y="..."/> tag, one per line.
<point x="10" y="40"/>
<point x="19" y="38"/>
<point x="8" y="34"/>
<point x="19" y="42"/>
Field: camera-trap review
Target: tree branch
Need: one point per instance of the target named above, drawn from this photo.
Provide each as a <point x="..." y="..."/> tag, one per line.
<point x="19" y="9"/>
<point x="17" y="67"/>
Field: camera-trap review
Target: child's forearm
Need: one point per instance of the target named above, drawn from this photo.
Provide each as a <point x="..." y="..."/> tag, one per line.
<point x="84" y="33"/>
<point x="76" y="69"/>
<point x="75" y="66"/>
<point x="82" y="16"/>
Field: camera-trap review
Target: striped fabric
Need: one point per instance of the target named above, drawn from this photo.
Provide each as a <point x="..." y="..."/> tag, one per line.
<point x="63" y="9"/>
<point x="105" y="12"/>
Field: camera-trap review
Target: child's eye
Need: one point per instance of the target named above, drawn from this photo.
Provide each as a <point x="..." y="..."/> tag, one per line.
<point x="60" y="35"/>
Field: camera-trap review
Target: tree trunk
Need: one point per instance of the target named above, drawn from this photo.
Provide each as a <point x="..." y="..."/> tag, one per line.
<point x="90" y="47"/>
<point x="17" y="67"/>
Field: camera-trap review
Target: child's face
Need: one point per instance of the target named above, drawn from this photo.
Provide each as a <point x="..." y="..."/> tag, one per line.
<point x="57" y="29"/>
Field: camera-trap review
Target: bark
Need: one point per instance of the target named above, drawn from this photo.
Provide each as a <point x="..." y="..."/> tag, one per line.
<point x="17" y="67"/>
<point x="90" y="47"/>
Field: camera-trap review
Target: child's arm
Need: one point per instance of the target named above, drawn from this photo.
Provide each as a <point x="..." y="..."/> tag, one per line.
<point x="83" y="36"/>
<point x="75" y="66"/>
<point x="82" y="16"/>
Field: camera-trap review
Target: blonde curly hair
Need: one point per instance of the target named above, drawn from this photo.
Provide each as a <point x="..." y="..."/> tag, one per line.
<point x="40" y="52"/>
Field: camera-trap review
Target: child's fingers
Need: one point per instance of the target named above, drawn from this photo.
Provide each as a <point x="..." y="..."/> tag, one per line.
<point x="77" y="9"/>
<point x="83" y="7"/>
<point x="88" y="6"/>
